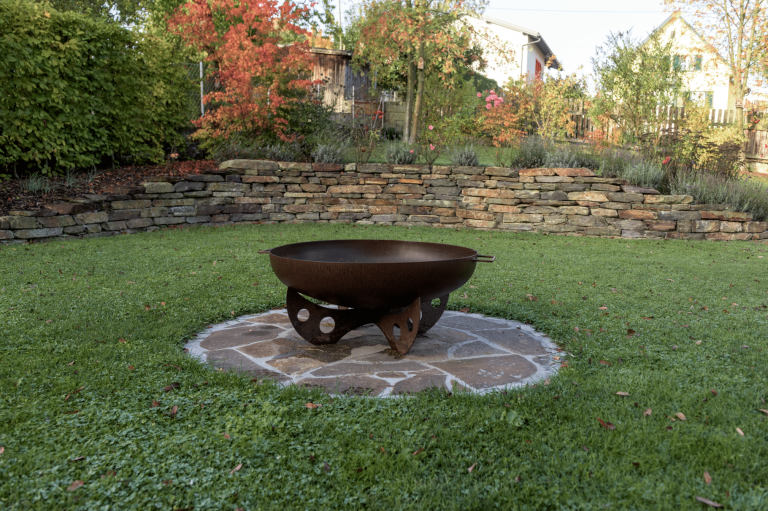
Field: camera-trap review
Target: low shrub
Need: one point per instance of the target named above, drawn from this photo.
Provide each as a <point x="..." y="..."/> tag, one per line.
<point x="531" y="152"/>
<point x="400" y="153"/>
<point x="707" y="188"/>
<point x="465" y="156"/>
<point x="644" y="173"/>
<point x="329" y="153"/>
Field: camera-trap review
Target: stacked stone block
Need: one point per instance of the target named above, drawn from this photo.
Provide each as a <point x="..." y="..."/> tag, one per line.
<point x="563" y="201"/>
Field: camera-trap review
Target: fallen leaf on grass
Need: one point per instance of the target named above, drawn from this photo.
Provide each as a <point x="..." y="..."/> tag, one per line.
<point x="75" y="485"/>
<point x="174" y="385"/>
<point x="72" y="412"/>
<point x="606" y="425"/>
<point x="2" y="449"/>
<point x="698" y="343"/>
<point x="630" y="332"/>
<point x="312" y="406"/>
<point x="174" y="410"/>
<point x="122" y="340"/>
<point x="131" y="367"/>
<point x="465" y="310"/>
<point x="470" y="469"/>
<point x="605" y="362"/>
<point x="419" y="451"/>
<point x="227" y="436"/>
<point x="708" y="502"/>
<point x="326" y="467"/>
<point x="155" y="404"/>
<point x="236" y="469"/>
<point x="707" y="477"/>
<point x="680" y="416"/>
<point x="622" y="393"/>
<point x="79" y="458"/>
<point x="763" y="410"/>
<point x="547" y="381"/>
<point x="739" y="431"/>
<point x="603" y="308"/>
<point x="647" y="412"/>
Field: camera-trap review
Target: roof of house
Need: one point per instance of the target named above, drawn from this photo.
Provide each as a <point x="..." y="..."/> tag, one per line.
<point x="541" y="44"/>
<point x="672" y="17"/>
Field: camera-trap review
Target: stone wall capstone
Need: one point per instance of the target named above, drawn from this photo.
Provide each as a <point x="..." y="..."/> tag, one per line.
<point x="562" y="201"/>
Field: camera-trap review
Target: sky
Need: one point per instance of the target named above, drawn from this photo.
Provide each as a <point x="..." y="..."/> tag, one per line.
<point x="573" y="28"/>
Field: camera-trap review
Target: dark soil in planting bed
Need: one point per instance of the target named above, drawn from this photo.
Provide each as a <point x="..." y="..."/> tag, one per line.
<point x="15" y="196"/>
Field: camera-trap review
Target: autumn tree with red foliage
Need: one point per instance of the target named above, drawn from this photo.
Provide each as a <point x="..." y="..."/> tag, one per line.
<point x="261" y="56"/>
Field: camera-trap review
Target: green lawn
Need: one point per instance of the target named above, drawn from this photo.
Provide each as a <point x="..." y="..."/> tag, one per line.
<point x="97" y="327"/>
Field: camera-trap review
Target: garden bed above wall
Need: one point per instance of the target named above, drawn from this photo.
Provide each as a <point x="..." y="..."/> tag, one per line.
<point x="564" y="201"/>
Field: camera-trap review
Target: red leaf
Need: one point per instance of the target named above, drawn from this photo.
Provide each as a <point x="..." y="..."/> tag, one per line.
<point x="72" y="412"/>
<point x="227" y="436"/>
<point x="605" y="363"/>
<point x="465" y="309"/>
<point x="417" y="452"/>
<point x="75" y="485"/>
<point x="155" y="404"/>
<point x="122" y="340"/>
<point x="606" y="425"/>
<point x="131" y="367"/>
<point x="708" y="502"/>
<point x="312" y="406"/>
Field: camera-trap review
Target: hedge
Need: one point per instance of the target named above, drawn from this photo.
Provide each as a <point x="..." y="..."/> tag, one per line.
<point x="75" y="90"/>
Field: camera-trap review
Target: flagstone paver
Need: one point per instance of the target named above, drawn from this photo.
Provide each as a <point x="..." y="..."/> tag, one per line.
<point x="467" y="352"/>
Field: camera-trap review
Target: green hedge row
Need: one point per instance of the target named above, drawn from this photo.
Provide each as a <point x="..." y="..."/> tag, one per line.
<point x="75" y="90"/>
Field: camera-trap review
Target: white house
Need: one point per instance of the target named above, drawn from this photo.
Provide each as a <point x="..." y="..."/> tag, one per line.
<point x="525" y="50"/>
<point x="707" y="76"/>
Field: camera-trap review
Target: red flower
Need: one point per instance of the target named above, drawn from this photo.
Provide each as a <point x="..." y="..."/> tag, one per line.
<point x="666" y="160"/>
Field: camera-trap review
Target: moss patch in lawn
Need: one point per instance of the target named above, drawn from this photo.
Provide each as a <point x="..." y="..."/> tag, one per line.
<point x="95" y="385"/>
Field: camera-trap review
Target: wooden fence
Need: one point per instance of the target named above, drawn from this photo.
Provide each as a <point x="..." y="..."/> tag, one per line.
<point x="755" y="146"/>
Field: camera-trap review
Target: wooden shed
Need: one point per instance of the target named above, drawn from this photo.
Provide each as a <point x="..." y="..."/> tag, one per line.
<point x="334" y="69"/>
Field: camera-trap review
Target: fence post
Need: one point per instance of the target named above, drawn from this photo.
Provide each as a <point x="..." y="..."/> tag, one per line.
<point x="202" y="91"/>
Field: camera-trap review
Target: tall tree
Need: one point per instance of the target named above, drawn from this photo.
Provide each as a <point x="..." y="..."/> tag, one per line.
<point x="426" y="36"/>
<point x="738" y="31"/>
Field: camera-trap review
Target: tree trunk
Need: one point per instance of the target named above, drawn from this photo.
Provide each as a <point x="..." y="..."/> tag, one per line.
<point x="419" y="97"/>
<point x="409" y="97"/>
<point x="739" y="97"/>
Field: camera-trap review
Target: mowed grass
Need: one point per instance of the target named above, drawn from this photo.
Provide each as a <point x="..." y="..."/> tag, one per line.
<point x="98" y="326"/>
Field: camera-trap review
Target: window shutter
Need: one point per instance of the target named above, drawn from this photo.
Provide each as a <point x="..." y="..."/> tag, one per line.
<point x="697" y="65"/>
<point x="676" y="63"/>
<point x="709" y="97"/>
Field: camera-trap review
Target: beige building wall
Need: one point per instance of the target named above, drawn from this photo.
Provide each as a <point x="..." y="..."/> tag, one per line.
<point x="706" y="74"/>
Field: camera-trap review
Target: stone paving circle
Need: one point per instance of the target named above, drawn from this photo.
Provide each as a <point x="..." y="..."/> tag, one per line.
<point x="468" y="351"/>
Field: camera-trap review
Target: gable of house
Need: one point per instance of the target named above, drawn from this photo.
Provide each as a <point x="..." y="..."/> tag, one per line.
<point x="706" y="76"/>
<point x="531" y="53"/>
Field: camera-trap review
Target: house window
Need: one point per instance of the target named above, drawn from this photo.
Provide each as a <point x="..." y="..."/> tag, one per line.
<point x="538" y="69"/>
<point x="697" y="60"/>
<point x="709" y="97"/>
<point x="678" y="62"/>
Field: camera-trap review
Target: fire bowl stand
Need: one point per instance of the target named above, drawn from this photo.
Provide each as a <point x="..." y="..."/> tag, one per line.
<point x="413" y="320"/>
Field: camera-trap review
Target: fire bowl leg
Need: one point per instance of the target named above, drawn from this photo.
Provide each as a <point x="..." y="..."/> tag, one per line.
<point x="345" y="320"/>
<point x="430" y="314"/>
<point x="408" y="323"/>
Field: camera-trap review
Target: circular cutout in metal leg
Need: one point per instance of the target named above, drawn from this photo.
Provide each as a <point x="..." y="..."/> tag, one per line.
<point x="431" y="314"/>
<point x="303" y="315"/>
<point x="327" y="324"/>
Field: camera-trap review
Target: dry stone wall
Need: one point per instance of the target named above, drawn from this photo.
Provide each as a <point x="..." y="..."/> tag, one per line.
<point x="568" y="201"/>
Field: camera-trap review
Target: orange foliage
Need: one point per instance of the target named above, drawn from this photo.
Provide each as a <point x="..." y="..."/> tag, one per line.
<point x="258" y="74"/>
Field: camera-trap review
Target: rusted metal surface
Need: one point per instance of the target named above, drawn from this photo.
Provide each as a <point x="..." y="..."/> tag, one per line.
<point x="390" y="283"/>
